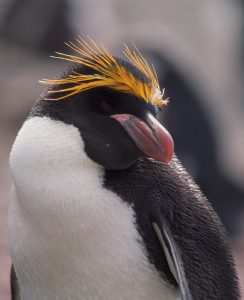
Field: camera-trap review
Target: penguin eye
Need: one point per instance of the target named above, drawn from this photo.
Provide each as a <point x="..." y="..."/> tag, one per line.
<point x="106" y="107"/>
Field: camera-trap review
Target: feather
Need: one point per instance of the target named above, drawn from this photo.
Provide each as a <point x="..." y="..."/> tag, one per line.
<point x="108" y="72"/>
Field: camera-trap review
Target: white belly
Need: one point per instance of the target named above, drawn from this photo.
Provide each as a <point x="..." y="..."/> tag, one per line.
<point x="70" y="238"/>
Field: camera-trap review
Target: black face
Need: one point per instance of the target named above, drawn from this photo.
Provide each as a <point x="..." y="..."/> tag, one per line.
<point x="106" y="141"/>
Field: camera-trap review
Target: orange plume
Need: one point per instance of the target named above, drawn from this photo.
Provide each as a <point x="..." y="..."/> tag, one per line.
<point x="107" y="72"/>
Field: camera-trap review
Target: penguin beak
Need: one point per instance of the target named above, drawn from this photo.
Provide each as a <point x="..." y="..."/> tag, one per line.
<point x="150" y="137"/>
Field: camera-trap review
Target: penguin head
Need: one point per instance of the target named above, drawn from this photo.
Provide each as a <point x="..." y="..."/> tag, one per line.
<point x="116" y="119"/>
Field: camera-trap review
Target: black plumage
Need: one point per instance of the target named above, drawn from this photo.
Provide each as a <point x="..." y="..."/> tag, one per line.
<point x="166" y="191"/>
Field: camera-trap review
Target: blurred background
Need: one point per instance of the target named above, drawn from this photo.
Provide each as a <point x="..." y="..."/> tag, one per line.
<point x="197" y="48"/>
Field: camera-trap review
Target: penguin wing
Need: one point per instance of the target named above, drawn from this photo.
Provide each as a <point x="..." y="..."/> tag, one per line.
<point x="172" y="255"/>
<point x="15" y="295"/>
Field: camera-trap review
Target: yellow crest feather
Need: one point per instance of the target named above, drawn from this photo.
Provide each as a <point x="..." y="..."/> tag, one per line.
<point x="108" y="72"/>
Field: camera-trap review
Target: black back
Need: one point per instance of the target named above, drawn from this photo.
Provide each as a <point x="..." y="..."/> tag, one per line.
<point x="155" y="188"/>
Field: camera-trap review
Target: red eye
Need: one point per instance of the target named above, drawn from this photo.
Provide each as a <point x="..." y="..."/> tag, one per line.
<point x="106" y="107"/>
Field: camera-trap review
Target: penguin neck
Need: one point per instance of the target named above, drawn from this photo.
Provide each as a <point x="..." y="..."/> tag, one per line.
<point x="46" y="147"/>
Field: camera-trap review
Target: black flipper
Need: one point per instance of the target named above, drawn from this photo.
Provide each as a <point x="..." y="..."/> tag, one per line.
<point x="14" y="285"/>
<point x="173" y="256"/>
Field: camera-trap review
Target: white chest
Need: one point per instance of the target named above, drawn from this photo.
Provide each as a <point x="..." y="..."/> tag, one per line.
<point x="70" y="238"/>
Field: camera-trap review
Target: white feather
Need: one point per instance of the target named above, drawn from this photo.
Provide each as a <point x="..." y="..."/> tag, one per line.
<point x="71" y="238"/>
